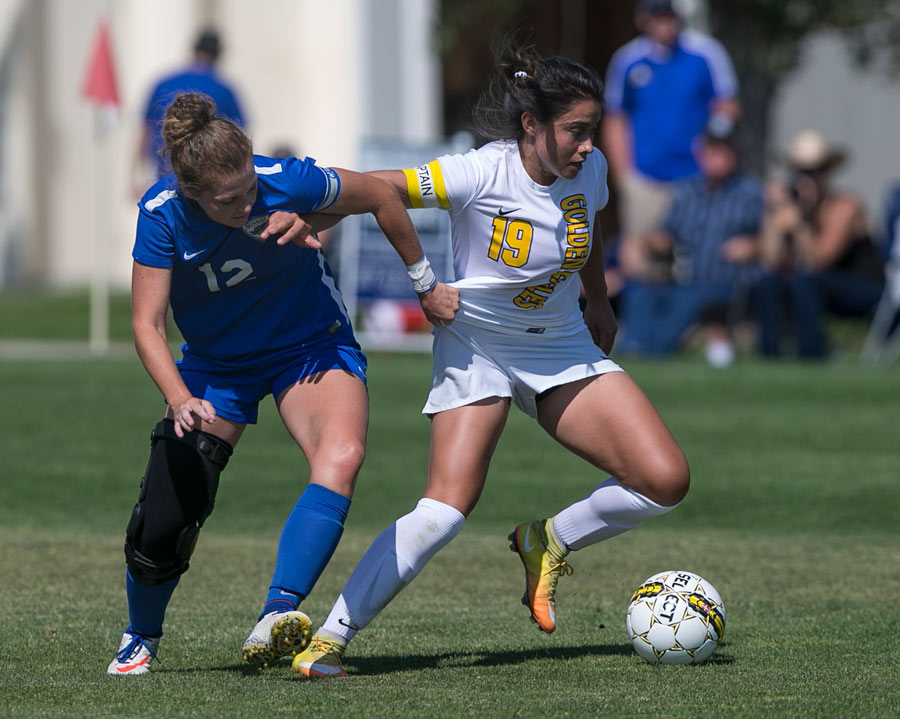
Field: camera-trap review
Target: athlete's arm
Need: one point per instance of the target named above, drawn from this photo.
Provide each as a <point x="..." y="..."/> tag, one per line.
<point x="616" y="130"/>
<point x="149" y="304"/>
<point x="362" y="193"/>
<point x="397" y="180"/>
<point x="598" y="313"/>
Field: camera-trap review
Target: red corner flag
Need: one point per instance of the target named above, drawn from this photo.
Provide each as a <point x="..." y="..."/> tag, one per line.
<point x="100" y="81"/>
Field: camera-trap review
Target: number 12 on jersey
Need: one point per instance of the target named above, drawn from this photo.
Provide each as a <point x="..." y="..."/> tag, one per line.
<point x="511" y="241"/>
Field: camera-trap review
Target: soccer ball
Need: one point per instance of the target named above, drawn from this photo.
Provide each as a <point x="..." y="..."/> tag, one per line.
<point x="675" y="617"/>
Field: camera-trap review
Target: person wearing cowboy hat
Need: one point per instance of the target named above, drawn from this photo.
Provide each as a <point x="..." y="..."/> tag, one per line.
<point x="816" y="249"/>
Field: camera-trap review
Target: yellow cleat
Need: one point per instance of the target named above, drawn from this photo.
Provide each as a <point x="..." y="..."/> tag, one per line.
<point x="322" y="658"/>
<point x="544" y="560"/>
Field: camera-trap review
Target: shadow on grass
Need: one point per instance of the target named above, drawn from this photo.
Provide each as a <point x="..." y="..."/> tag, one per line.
<point x="372" y="666"/>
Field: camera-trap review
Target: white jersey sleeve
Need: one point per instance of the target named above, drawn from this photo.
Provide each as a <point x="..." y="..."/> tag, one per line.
<point x="450" y="181"/>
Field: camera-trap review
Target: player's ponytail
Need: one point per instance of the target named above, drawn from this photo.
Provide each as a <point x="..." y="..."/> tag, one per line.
<point x="546" y="87"/>
<point x="201" y="148"/>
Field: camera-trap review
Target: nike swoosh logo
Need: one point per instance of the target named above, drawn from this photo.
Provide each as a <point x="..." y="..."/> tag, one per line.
<point x="507" y="212"/>
<point x="349" y="625"/>
<point x="526" y="545"/>
<point x="132" y="667"/>
<point x="192" y="255"/>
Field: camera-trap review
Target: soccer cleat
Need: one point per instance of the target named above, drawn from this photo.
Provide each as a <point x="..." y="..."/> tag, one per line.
<point x="276" y="635"/>
<point x="544" y="562"/>
<point x="322" y="658"/>
<point x="134" y="655"/>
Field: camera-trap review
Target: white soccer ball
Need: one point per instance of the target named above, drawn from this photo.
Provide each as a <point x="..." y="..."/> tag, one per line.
<point x="675" y="617"/>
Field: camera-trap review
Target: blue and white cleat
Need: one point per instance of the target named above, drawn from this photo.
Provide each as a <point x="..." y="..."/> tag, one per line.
<point x="134" y="655"/>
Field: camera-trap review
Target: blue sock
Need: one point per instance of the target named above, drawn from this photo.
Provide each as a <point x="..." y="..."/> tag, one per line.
<point x="308" y="540"/>
<point x="147" y="605"/>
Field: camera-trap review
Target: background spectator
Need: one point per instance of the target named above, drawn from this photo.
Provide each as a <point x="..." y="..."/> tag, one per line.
<point x="199" y="76"/>
<point x="890" y="226"/>
<point x="661" y="89"/>
<point x="711" y="233"/>
<point x="817" y="251"/>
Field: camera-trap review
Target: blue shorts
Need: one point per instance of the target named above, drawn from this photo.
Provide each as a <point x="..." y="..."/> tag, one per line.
<point x="236" y="394"/>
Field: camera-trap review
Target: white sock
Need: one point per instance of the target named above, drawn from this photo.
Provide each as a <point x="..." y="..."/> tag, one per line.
<point x="391" y="562"/>
<point x="610" y="510"/>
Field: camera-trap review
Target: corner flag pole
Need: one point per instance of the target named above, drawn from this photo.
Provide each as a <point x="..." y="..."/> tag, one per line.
<point x="100" y="89"/>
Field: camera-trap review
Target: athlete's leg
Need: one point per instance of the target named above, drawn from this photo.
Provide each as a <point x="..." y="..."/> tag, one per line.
<point x="327" y="415"/>
<point x="222" y="428"/>
<point x="609" y="421"/>
<point x="175" y="496"/>
<point x="462" y="443"/>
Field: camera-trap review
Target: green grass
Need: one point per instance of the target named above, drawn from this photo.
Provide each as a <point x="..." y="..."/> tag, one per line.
<point x="792" y="515"/>
<point x="62" y="315"/>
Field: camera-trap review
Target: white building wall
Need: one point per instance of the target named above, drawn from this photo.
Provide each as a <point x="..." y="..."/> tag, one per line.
<point x="309" y="73"/>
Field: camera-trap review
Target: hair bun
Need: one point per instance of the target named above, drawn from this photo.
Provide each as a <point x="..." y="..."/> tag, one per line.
<point x="186" y="116"/>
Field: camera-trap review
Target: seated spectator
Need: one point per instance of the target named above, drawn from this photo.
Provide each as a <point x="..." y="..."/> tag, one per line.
<point x="817" y="253"/>
<point x="711" y="233"/>
<point x="661" y="89"/>
<point x="890" y="226"/>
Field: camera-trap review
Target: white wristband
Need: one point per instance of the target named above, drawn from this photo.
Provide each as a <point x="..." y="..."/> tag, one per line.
<point x="422" y="276"/>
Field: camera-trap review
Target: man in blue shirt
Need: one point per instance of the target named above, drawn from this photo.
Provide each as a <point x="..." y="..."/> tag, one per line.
<point x="661" y="89"/>
<point x="711" y="233"/>
<point x="199" y="76"/>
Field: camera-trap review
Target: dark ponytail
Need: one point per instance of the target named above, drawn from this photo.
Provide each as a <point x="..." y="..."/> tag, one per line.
<point x="525" y="82"/>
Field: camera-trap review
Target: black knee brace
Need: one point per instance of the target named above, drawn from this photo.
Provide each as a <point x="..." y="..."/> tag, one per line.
<point x="177" y="494"/>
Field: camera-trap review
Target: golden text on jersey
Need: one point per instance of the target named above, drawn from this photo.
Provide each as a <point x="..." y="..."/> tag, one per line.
<point x="517" y="245"/>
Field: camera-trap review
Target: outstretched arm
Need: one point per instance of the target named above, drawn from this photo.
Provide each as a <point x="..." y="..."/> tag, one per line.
<point x="362" y="193"/>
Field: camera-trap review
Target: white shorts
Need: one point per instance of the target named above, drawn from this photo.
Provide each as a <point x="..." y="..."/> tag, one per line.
<point x="471" y="364"/>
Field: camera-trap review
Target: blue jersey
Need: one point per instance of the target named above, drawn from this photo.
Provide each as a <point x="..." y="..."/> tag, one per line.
<point x="237" y="300"/>
<point x="666" y="94"/>
<point x="198" y="78"/>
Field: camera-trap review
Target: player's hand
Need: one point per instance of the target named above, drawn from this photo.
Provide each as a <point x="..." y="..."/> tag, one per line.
<point x="188" y="412"/>
<point x="740" y="249"/>
<point x="290" y="227"/>
<point x="440" y="305"/>
<point x="601" y="321"/>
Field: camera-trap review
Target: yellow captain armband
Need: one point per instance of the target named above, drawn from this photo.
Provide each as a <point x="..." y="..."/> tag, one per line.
<point x="425" y="185"/>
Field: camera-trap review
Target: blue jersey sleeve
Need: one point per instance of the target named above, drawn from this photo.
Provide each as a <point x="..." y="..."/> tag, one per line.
<point x="307" y="186"/>
<point x="154" y="244"/>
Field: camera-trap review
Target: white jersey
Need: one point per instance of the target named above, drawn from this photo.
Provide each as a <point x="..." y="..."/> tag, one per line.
<point x="517" y="245"/>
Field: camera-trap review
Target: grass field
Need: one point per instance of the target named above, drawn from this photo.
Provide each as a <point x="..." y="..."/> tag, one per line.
<point x="793" y="515"/>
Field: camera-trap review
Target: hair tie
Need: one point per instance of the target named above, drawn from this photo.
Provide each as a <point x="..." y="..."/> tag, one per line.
<point x="520" y="75"/>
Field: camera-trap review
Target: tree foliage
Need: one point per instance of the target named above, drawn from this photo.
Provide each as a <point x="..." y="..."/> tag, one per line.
<point x="771" y="33"/>
<point x="766" y="39"/>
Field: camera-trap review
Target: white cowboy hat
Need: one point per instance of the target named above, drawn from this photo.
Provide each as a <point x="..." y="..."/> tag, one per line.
<point x="810" y="151"/>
